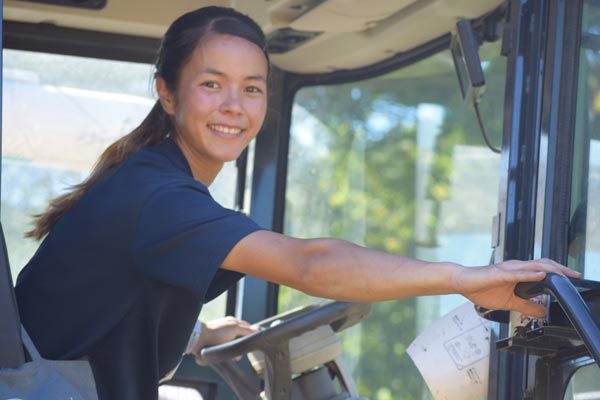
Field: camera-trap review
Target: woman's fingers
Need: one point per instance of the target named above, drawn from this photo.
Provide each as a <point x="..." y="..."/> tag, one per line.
<point x="528" y="307"/>
<point x="493" y="287"/>
<point x="221" y="330"/>
<point x="543" y="265"/>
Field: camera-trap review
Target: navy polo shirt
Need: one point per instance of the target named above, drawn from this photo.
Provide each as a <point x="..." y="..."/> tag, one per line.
<point x="122" y="276"/>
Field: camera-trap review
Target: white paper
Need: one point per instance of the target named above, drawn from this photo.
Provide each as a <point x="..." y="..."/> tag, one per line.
<point x="452" y="355"/>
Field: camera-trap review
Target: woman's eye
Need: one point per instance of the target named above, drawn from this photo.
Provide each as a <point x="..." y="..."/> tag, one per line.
<point x="210" y="84"/>
<point x="253" y="89"/>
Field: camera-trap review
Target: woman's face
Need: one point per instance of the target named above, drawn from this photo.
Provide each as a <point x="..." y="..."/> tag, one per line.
<point x="220" y="101"/>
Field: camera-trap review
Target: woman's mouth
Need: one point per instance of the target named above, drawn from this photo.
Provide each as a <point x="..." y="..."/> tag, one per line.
<point x="226" y="129"/>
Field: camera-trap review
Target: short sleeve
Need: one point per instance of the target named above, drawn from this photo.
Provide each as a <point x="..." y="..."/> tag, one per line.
<point x="183" y="236"/>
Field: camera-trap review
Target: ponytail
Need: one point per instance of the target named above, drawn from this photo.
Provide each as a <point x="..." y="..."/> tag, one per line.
<point x="153" y="129"/>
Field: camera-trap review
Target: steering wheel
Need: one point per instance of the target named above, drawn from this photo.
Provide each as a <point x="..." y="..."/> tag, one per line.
<point x="273" y="340"/>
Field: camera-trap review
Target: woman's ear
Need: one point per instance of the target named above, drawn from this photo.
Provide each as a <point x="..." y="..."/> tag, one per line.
<point x="165" y="96"/>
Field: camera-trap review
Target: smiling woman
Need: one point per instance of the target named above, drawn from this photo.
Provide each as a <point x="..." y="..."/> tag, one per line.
<point x="147" y="209"/>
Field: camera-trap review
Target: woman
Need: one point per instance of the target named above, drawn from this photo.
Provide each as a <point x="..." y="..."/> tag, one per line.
<point x="130" y="255"/>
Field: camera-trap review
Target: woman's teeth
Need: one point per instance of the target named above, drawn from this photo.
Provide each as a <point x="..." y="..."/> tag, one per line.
<point x="226" y="129"/>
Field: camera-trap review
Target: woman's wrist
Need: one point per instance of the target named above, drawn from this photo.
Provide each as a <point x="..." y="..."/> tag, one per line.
<point x="194" y="337"/>
<point x="455" y="277"/>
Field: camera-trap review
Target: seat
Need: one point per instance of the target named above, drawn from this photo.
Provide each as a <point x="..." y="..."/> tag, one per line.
<point x="12" y="354"/>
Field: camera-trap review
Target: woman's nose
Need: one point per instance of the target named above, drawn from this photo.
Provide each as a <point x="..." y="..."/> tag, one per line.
<point x="232" y="102"/>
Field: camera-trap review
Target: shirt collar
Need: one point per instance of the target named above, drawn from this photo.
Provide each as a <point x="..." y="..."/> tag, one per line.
<point x="174" y="153"/>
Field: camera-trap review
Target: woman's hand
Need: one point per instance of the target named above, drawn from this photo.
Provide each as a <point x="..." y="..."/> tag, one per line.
<point x="219" y="331"/>
<point x="493" y="286"/>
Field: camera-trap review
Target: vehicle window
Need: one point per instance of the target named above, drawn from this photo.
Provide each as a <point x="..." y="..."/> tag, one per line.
<point x="584" y="384"/>
<point x="584" y="229"/>
<point x="174" y="392"/>
<point x="396" y="163"/>
<point x="59" y="113"/>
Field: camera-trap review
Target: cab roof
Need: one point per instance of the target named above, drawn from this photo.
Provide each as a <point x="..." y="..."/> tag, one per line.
<point x="304" y="36"/>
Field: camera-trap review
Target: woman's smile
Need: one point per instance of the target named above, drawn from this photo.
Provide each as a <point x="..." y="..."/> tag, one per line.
<point x="226" y="131"/>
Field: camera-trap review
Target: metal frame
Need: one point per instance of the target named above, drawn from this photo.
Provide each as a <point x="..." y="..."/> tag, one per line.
<point x="50" y="38"/>
<point x="564" y="37"/>
<point x="542" y="81"/>
<point x="558" y="122"/>
<point x="553" y="375"/>
<point x="1" y="80"/>
<point x="523" y="44"/>
<point x="549" y="377"/>
<point x="11" y="353"/>
<point x="257" y="298"/>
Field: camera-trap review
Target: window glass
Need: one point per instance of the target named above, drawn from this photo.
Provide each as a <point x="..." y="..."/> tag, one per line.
<point x="176" y="392"/>
<point x="59" y="114"/>
<point x="584" y="232"/>
<point x="584" y="228"/>
<point x="584" y="384"/>
<point x="396" y="163"/>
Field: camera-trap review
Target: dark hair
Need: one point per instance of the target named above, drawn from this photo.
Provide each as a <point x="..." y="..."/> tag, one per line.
<point x="182" y="37"/>
<point x="176" y="49"/>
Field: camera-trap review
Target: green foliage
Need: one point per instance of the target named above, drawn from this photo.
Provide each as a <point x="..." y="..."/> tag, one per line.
<point x="354" y="159"/>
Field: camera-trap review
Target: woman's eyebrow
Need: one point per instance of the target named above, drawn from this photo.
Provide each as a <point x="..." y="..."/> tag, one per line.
<point x="209" y="70"/>
<point x="256" y="78"/>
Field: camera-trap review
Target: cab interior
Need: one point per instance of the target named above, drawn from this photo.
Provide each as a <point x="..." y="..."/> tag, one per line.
<point x="369" y="138"/>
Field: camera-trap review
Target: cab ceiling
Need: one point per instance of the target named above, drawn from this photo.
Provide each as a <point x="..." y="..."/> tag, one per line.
<point x="306" y="36"/>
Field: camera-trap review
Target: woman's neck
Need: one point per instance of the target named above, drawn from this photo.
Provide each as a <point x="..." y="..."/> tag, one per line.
<point x="204" y="171"/>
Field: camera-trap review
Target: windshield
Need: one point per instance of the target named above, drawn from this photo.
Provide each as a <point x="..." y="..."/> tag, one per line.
<point x="396" y="163"/>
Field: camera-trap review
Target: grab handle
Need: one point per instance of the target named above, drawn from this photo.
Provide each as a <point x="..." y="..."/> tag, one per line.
<point x="570" y="300"/>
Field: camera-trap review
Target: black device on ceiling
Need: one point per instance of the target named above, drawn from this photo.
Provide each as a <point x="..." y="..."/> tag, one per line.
<point x="90" y="4"/>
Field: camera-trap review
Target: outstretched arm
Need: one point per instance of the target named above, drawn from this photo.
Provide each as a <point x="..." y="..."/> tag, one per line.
<point x="344" y="271"/>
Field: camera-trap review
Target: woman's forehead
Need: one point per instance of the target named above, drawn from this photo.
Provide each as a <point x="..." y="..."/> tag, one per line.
<point x="221" y="53"/>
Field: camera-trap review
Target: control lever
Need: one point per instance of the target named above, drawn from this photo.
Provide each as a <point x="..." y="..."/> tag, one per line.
<point x="570" y="300"/>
